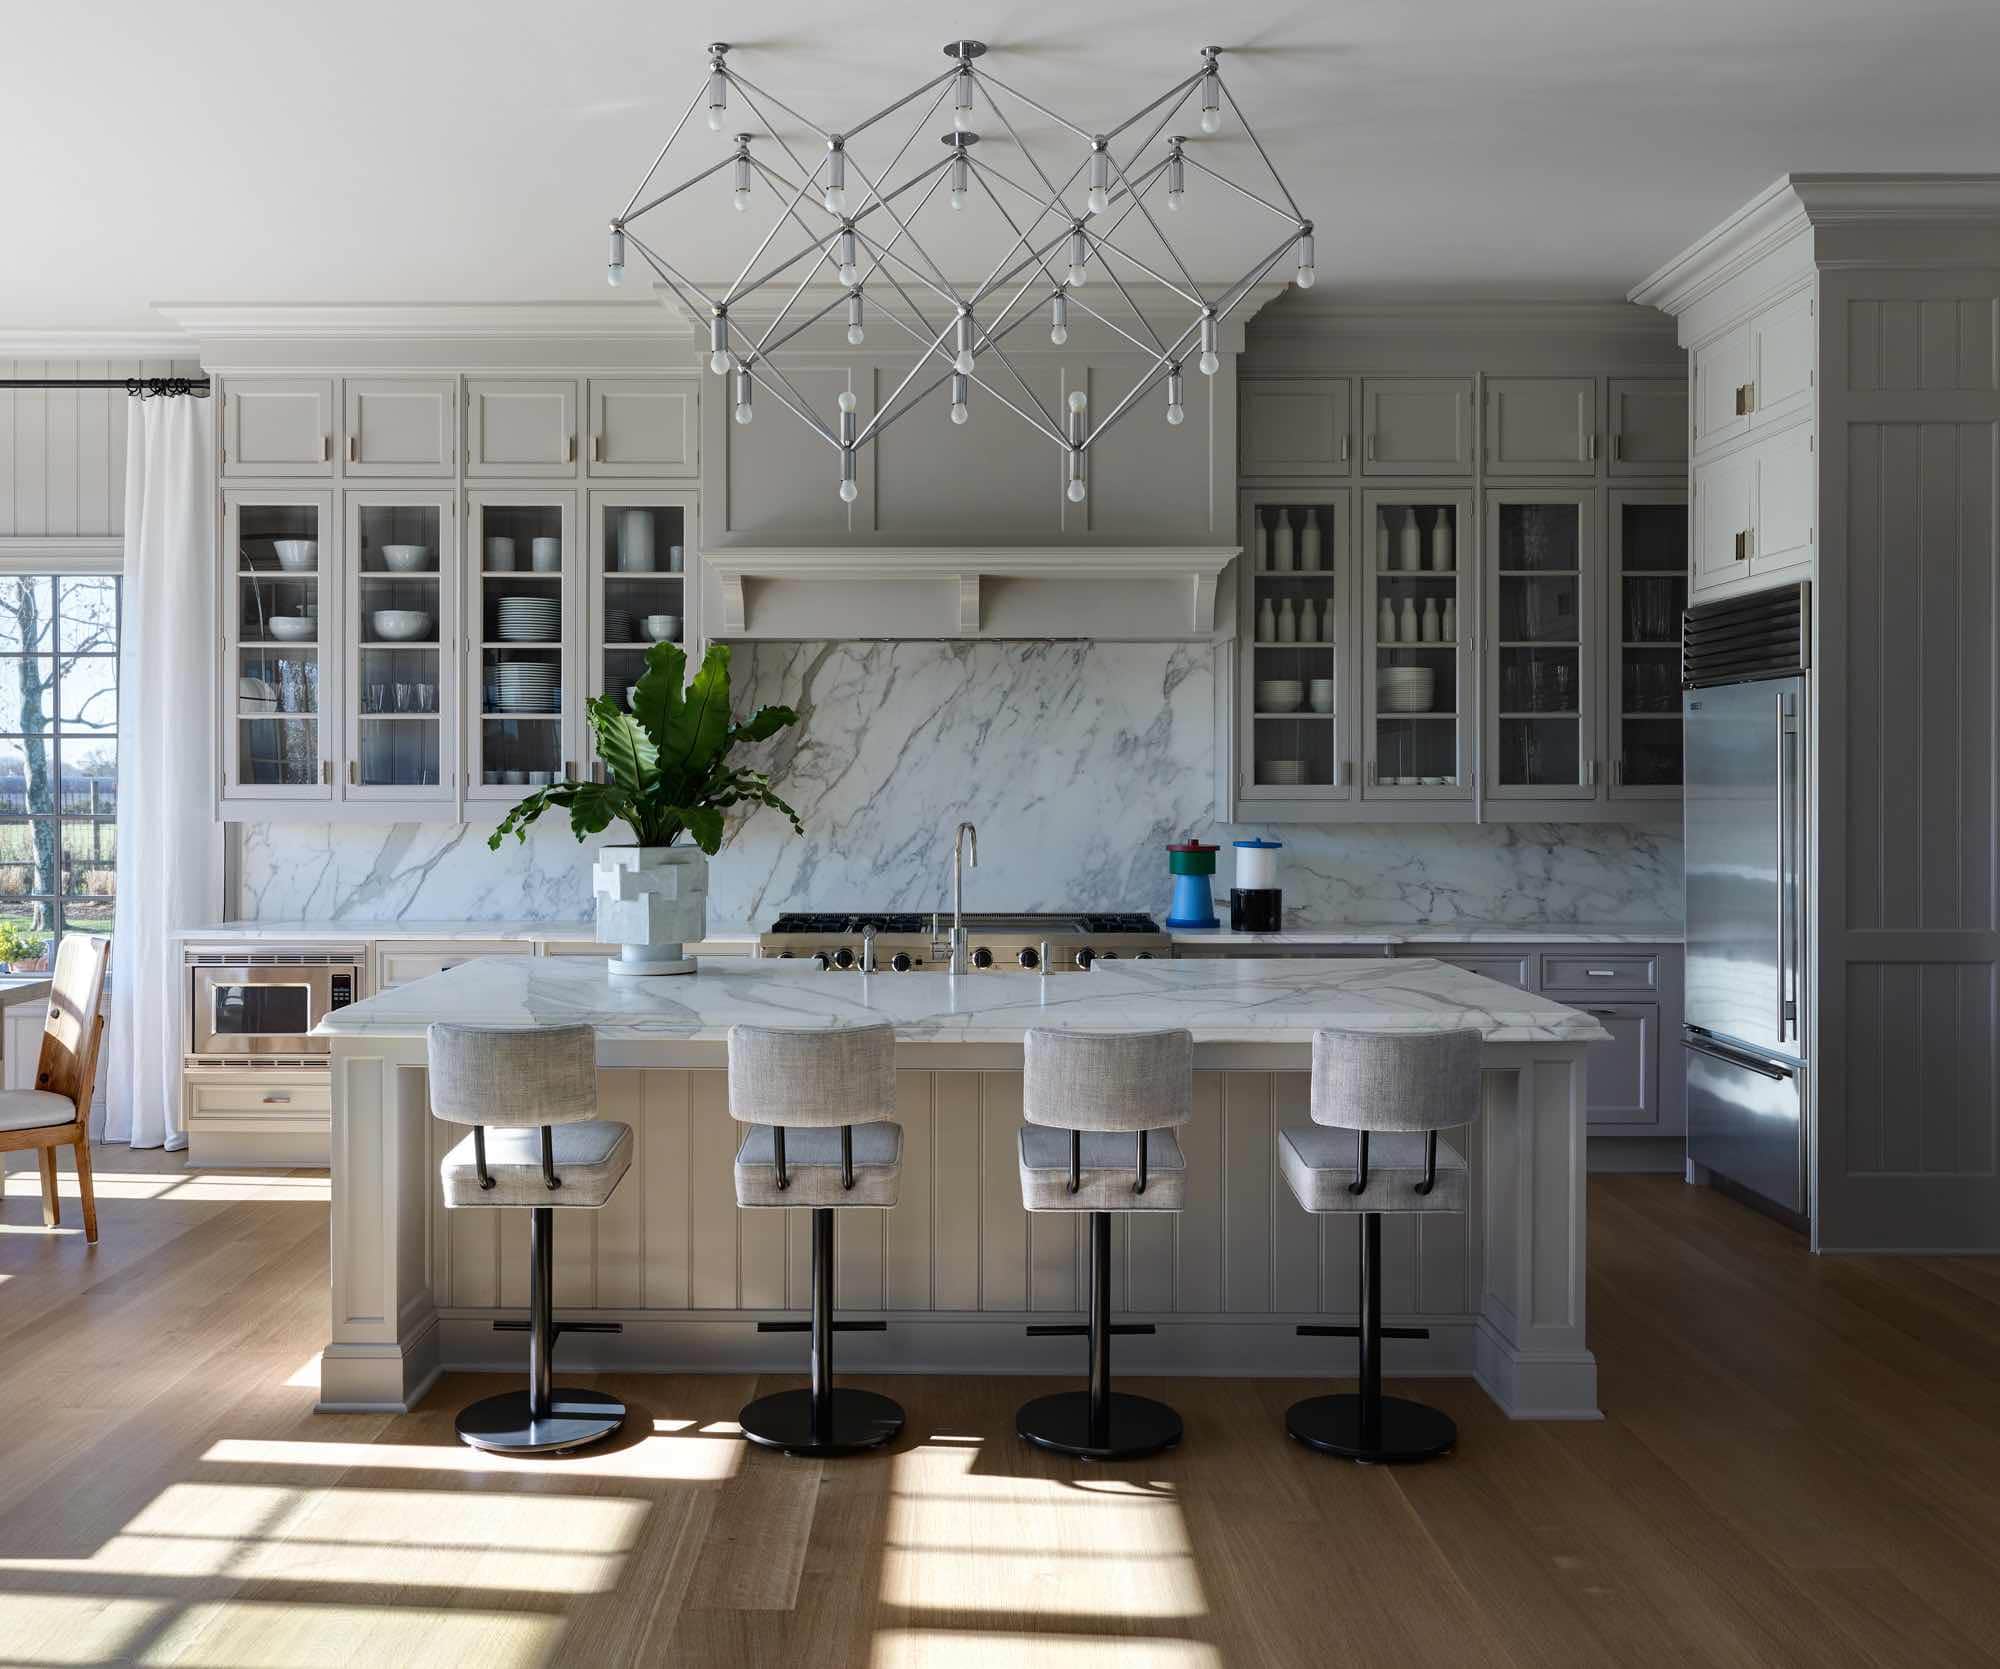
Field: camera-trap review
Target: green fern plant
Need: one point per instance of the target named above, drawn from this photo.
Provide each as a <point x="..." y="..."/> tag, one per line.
<point x="665" y="762"/>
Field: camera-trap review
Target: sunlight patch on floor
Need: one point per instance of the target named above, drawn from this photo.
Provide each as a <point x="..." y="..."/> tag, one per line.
<point x="63" y="1629"/>
<point x="307" y="1636"/>
<point x="306" y="1378"/>
<point x="681" y="1457"/>
<point x="973" y="1648"/>
<point x="189" y="1187"/>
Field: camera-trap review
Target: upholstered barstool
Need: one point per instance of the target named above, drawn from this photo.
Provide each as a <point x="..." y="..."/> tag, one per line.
<point x="1101" y="1111"/>
<point x="820" y="1139"/>
<point x="1378" y="1103"/>
<point x="536" y="1092"/>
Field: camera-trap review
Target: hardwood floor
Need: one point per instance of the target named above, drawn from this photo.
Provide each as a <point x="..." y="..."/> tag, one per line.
<point x="1800" y="1464"/>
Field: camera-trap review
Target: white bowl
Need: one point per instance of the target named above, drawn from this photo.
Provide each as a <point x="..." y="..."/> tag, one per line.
<point x="297" y="556"/>
<point x="406" y="559"/>
<point x="662" y="628"/>
<point x="397" y="624"/>
<point x="1279" y="695"/>
<point x="294" y="628"/>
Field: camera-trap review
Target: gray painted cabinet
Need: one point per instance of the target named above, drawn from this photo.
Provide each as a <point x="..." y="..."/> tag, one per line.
<point x="1416" y="426"/>
<point x="401" y="427"/>
<point x="1541" y="426"/>
<point x="523" y="428"/>
<point x="274" y="426"/>
<point x="1294" y="427"/>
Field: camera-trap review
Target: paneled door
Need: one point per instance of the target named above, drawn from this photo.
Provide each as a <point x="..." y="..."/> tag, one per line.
<point x="1649" y="426"/>
<point x="401" y="426"/>
<point x="643" y="426"/>
<point x="641" y="585"/>
<point x="401" y="684"/>
<point x="1539" y="426"/>
<point x="1541" y="621"/>
<point x="1419" y="615"/>
<point x="1416" y="426"/>
<point x="1648" y="595"/>
<point x="524" y="569"/>
<point x="280" y="609"/>
<point x="278" y="426"/>
<point x="523" y="428"/>
<point x="1296" y="749"/>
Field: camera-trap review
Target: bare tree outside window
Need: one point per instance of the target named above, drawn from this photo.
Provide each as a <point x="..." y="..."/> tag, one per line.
<point x="58" y="754"/>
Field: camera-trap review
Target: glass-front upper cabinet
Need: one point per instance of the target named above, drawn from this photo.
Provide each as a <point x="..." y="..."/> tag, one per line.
<point x="400" y="689"/>
<point x="280" y="687"/>
<point x="640" y="582"/>
<point x="524" y="592"/>
<point x="1649" y="593"/>
<point x="1418" y="613"/>
<point x="1294" y="597"/>
<point x="1541" y="737"/>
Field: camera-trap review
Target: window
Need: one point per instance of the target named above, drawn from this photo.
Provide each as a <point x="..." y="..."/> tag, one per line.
<point x="58" y="756"/>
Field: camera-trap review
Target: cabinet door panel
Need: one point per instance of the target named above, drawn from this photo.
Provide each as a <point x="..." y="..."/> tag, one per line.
<point x="1624" y="1075"/>
<point x="1294" y="427"/>
<point x="1649" y="426"/>
<point x="642" y="427"/>
<point x="1783" y="354"/>
<point x="1721" y="369"/>
<point x="1417" y="426"/>
<point x="401" y="426"/>
<point x="278" y="426"/>
<point x="1785" y="498"/>
<point x="521" y="428"/>
<point x="1541" y="425"/>
<point x="1722" y="519"/>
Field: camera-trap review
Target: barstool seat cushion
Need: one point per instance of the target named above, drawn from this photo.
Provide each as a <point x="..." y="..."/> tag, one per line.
<point x="812" y="1163"/>
<point x="590" y="1158"/>
<point x="1109" y="1172"/>
<point x="1319" y="1163"/>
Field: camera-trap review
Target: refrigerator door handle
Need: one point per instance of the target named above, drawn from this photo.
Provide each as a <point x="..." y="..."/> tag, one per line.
<point x="1749" y="1063"/>
<point x="1788" y="849"/>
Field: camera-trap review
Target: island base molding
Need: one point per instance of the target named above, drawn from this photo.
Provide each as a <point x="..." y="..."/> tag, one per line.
<point x="957" y="1269"/>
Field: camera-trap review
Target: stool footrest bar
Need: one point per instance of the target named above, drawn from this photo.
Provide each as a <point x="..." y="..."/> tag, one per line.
<point x="1314" y="1331"/>
<point x="1057" y="1332"/>
<point x="784" y="1327"/>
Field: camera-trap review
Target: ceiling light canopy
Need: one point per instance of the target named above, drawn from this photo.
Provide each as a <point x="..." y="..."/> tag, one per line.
<point x="861" y="224"/>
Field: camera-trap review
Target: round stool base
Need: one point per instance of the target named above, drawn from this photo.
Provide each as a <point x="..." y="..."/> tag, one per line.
<point x="857" y="1420"/>
<point x="1061" y="1422"/>
<point x="503" y="1424"/>
<point x="1410" y="1430"/>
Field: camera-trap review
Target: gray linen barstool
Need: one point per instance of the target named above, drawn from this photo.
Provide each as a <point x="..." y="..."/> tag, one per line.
<point x="820" y="1138"/>
<point x="1101" y="1113"/>
<point x="1378" y="1103"/>
<point x="536" y="1090"/>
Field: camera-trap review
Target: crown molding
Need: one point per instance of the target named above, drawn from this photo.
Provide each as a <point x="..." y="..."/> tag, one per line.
<point x="1314" y="312"/>
<point x="1794" y="204"/>
<point x="94" y="344"/>
<point x="432" y="321"/>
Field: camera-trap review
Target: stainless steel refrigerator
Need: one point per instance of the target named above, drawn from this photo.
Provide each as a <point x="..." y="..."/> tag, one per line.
<point x="1746" y="687"/>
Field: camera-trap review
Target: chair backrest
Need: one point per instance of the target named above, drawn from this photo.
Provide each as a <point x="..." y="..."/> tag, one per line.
<point x="1391" y="1081"/>
<point x="513" y="1077"/>
<point x="68" y="1063"/>
<point x="1108" y="1080"/>
<point x="790" y="1076"/>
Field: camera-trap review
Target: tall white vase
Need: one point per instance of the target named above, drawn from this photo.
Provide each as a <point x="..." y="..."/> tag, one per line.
<point x="635" y="542"/>
<point x="652" y="902"/>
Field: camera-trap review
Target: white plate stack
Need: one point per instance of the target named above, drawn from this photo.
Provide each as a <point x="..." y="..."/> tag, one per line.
<point x="527" y="686"/>
<point x="530" y="619"/>
<point x="620" y="627"/>
<point x="1284" y="773"/>
<point x="1406" y="689"/>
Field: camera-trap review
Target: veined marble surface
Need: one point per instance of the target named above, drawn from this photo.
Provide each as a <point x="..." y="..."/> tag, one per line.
<point x="1249" y="1001"/>
<point x="1450" y="933"/>
<point x="1078" y="761"/>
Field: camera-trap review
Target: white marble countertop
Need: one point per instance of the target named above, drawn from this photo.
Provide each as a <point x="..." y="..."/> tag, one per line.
<point x="1444" y="933"/>
<point x="1248" y="1000"/>
<point x="364" y="932"/>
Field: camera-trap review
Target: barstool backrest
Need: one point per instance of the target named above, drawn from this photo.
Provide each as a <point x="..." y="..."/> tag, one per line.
<point x="787" y="1075"/>
<point x="1410" y="1081"/>
<point x="1108" y="1080"/>
<point x="513" y="1077"/>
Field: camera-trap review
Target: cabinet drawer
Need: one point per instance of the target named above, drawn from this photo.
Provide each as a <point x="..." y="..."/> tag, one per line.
<point x="251" y="1095"/>
<point x="1624" y="1075"/>
<point x="400" y="964"/>
<point x="1517" y="971"/>
<point x="1599" y="973"/>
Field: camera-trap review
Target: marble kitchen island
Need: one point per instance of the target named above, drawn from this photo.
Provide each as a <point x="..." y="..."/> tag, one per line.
<point x="957" y="1267"/>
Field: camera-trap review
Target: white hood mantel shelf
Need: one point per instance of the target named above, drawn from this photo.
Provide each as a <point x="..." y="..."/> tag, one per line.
<point x="1198" y="568"/>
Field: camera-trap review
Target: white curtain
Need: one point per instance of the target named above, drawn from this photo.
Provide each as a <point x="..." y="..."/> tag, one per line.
<point x="166" y="779"/>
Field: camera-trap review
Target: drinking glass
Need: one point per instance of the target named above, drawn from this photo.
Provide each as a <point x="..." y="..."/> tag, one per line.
<point x="1564" y="687"/>
<point x="405" y="696"/>
<point x="427" y="698"/>
<point x="377" y="699"/>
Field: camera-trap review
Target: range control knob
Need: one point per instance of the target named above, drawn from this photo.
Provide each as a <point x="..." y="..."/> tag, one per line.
<point x="1108" y="955"/>
<point x="900" y="962"/>
<point x="1143" y="956"/>
<point x="1028" y="959"/>
<point x="1085" y="957"/>
<point x="843" y="958"/>
<point x="982" y="958"/>
<point x="822" y="961"/>
<point x="784" y="956"/>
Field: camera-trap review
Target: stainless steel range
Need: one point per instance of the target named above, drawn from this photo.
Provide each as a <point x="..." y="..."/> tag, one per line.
<point x="1004" y="943"/>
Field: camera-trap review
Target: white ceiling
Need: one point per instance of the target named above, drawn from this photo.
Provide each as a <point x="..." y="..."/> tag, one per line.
<point x="409" y="150"/>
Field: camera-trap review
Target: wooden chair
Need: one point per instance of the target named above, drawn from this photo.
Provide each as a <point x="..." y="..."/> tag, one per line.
<point x="56" y="1112"/>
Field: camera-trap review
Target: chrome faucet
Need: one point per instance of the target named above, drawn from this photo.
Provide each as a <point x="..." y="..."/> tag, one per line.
<point x="868" y="948"/>
<point x="965" y="835"/>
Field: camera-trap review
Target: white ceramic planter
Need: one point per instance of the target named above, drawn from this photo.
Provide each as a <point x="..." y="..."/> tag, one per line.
<point x="652" y="902"/>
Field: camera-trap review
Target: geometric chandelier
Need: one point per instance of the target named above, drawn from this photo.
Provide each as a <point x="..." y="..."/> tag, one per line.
<point x="861" y="223"/>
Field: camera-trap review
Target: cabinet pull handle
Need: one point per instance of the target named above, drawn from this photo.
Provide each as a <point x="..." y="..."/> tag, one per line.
<point x="326" y="449"/>
<point x="1618" y="771"/>
<point x="1346" y="447"/>
<point x="354" y="773"/>
<point x="1371" y="773"/>
<point x="1617" y="449"/>
<point x="1602" y="973"/>
<point x="569" y="450"/>
<point x="1590" y="773"/>
<point x="277" y="1100"/>
<point x="326" y="770"/>
<point x="569" y="770"/>
<point x="1743" y="546"/>
<point x="1610" y="1013"/>
<point x="1593" y="447"/>
<point x="1371" y="446"/>
<point x="597" y="449"/>
<point x="354" y="449"/>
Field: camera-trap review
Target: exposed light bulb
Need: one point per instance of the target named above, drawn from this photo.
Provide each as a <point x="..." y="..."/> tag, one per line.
<point x="963" y="364"/>
<point x="835" y="199"/>
<point x="849" y="492"/>
<point x="850" y="270"/>
<point x="1305" y="278"/>
<point x="1098" y="199"/>
<point x="1175" y="199"/>
<point x="743" y="415"/>
<point x="856" y="336"/>
<point x="1176" y="410"/>
<point x="1176" y="414"/>
<point x="718" y="362"/>
<point x="961" y="114"/>
<point x="957" y="198"/>
<point x="1210" y="364"/>
<point x="1210" y="361"/>
<point x="1058" y="334"/>
<point x="1211" y="121"/>
<point x="959" y="411"/>
<point x="743" y="388"/>
<point x="1099" y="196"/>
<point x="1076" y="492"/>
<point x="845" y="400"/>
<point x="1305" y="274"/>
<point x="835" y="196"/>
<point x="961" y="391"/>
<point x="718" y="95"/>
<point x="1078" y="399"/>
<point x="1176" y="176"/>
<point x="1211" y="96"/>
<point x="740" y="197"/>
<point x="849" y="273"/>
<point x="1059" y="318"/>
<point x="1077" y="277"/>
<point x="961" y="175"/>
<point x="614" y="274"/>
<point x="1079" y="257"/>
<point x="714" y="119"/>
<point x="614" y="264"/>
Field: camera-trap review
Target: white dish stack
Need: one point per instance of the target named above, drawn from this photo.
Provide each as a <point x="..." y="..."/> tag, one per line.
<point x="530" y="619"/>
<point x="1406" y="689"/>
<point x="527" y="686"/>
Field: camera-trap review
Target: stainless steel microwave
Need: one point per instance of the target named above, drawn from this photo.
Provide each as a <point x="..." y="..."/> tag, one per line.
<point x="264" y="1003"/>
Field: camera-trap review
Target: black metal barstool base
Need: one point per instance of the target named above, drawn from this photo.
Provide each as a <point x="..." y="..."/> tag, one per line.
<point x="1409" y="1430"/>
<point x="503" y="1424"/>
<point x="856" y="1420"/>
<point x="1061" y="1422"/>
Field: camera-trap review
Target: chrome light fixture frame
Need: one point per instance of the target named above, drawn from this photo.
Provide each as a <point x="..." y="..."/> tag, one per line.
<point x="1054" y="245"/>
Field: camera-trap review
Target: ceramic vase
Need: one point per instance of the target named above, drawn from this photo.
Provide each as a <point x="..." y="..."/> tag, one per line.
<point x="652" y="902"/>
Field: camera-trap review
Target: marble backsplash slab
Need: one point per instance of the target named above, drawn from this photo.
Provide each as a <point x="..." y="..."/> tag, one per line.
<point x="1078" y="761"/>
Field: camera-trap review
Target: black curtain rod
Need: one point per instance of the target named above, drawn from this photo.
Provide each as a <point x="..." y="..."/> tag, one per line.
<point x="146" y="388"/>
